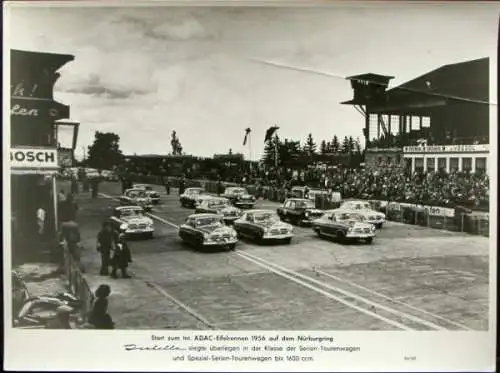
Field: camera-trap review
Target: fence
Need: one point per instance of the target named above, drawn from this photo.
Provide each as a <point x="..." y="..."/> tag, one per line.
<point x="78" y="285"/>
<point x="472" y="223"/>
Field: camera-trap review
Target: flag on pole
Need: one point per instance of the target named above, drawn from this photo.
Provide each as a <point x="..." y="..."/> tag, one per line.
<point x="270" y="132"/>
<point x="247" y="132"/>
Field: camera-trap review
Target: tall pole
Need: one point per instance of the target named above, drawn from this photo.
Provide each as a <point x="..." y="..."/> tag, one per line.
<point x="276" y="155"/>
<point x="250" y="149"/>
<point x="54" y="197"/>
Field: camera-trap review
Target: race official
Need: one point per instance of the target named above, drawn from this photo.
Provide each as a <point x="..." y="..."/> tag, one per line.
<point x="121" y="257"/>
<point x="106" y="240"/>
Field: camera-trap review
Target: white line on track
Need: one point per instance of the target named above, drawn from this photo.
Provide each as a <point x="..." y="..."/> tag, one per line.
<point x="327" y="294"/>
<point x="393" y="300"/>
<point x="188" y="309"/>
<point x="348" y="294"/>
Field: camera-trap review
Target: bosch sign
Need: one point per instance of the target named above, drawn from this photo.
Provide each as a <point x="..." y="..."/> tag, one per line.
<point x="33" y="158"/>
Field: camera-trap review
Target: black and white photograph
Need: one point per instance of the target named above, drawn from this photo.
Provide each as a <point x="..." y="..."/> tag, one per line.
<point x="219" y="168"/>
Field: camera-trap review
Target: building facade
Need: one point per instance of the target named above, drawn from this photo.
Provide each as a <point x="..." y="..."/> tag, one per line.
<point x="449" y="158"/>
<point x="33" y="146"/>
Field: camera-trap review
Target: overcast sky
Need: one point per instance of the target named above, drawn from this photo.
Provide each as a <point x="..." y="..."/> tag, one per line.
<point x="143" y="72"/>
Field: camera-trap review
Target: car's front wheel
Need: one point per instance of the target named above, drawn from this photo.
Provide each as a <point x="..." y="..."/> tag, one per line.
<point x="369" y="240"/>
<point x="150" y="235"/>
<point x="340" y="236"/>
<point x="287" y="241"/>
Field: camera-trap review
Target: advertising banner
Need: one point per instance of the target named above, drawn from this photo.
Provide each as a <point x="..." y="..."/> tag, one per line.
<point x="29" y="158"/>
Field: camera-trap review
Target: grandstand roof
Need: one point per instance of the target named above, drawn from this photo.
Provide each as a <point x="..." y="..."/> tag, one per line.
<point x="459" y="82"/>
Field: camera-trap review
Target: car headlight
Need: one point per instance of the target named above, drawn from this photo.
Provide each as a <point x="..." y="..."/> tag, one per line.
<point x="266" y="230"/>
<point x="234" y="234"/>
<point x="307" y="214"/>
<point x="349" y="230"/>
<point x="124" y="227"/>
<point x="373" y="228"/>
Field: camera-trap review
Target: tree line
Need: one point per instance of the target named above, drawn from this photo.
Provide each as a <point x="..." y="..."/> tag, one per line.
<point x="105" y="152"/>
<point x="288" y="152"/>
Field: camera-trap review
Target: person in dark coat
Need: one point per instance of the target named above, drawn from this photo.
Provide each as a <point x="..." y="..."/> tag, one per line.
<point x="99" y="317"/>
<point x="182" y="187"/>
<point x="166" y="183"/>
<point x="95" y="187"/>
<point x="121" y="257"/>
<point x="74" y="185"/>
<point x="68" y="209"/>
<point x="106" y="241"/>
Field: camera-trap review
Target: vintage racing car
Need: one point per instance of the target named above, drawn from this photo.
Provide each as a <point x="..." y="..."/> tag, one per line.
<point x="150" y="192"/>
<point x="191" y="196"/>
<point x="364" y="209"/>
<point x="219" y="206"/>
<point x="344" y="226"/>
<point x="263" y="225"/>
<point x="239" y="197"/>
<point x="136" y="197"/>
<point x="132" y="221"/>
<point x="299" y="211"/>
<point x="208" y="231"/>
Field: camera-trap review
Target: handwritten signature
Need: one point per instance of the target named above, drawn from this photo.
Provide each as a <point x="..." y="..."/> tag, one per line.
<point x="134" y="347"/>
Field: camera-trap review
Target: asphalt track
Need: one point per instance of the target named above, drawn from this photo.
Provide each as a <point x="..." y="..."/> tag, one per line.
<point x="410" y="278"/>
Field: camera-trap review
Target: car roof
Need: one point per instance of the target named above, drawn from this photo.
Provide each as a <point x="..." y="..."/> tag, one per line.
<point x="235" y="187"/>
<point x="194" y="188"/>
<point x="356" y="201"/>
<point x="299" y="199"/>
<point x="131" y="207"/>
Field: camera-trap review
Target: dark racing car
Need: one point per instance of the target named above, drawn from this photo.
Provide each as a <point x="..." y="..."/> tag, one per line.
<point x="299" y="211"/>
<point x="208" y="231"/>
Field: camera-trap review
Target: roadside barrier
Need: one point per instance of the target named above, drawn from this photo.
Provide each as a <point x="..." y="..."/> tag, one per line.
<point x="426" y="216"/>
<point x="77" y="283"/>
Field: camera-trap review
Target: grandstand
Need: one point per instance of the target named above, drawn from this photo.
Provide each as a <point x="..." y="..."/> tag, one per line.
<point x="437" y="121"/>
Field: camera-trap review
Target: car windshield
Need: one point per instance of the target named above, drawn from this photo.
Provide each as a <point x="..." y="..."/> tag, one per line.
<point x="265" y="216"/>
<point x="137" y="194"/>
<point x="238" y="191"/>
<point x="202" y="222"/>
<point x="350" y="217"/>
<point x="358" y="205"/>
<point x="305" y="204"/>
<point x="131" y="212"/>
<point x="217" y="204"/>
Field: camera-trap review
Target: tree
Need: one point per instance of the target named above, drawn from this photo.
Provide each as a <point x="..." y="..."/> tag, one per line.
<point x="269" y="157"/>
<point x="335" y="146"/>
<point x="350" y="145"/>
<point x="105" y="152"/>
<point x="323" y="147"/>
<point x="344" y="149"/>
<point x="176" y="144"/>
<point x="310" y="146"/>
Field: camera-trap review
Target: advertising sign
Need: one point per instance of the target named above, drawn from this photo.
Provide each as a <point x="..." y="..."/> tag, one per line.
<point x="29" y="158"/>
<point x="29" y="108"/>
<point x="447" y="148"/>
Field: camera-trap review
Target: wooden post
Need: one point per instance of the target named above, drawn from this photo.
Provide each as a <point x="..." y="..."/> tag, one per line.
<point x="54" y="192"/>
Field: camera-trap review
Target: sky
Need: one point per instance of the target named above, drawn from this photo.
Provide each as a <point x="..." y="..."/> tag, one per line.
<point x="143" y="72"/>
